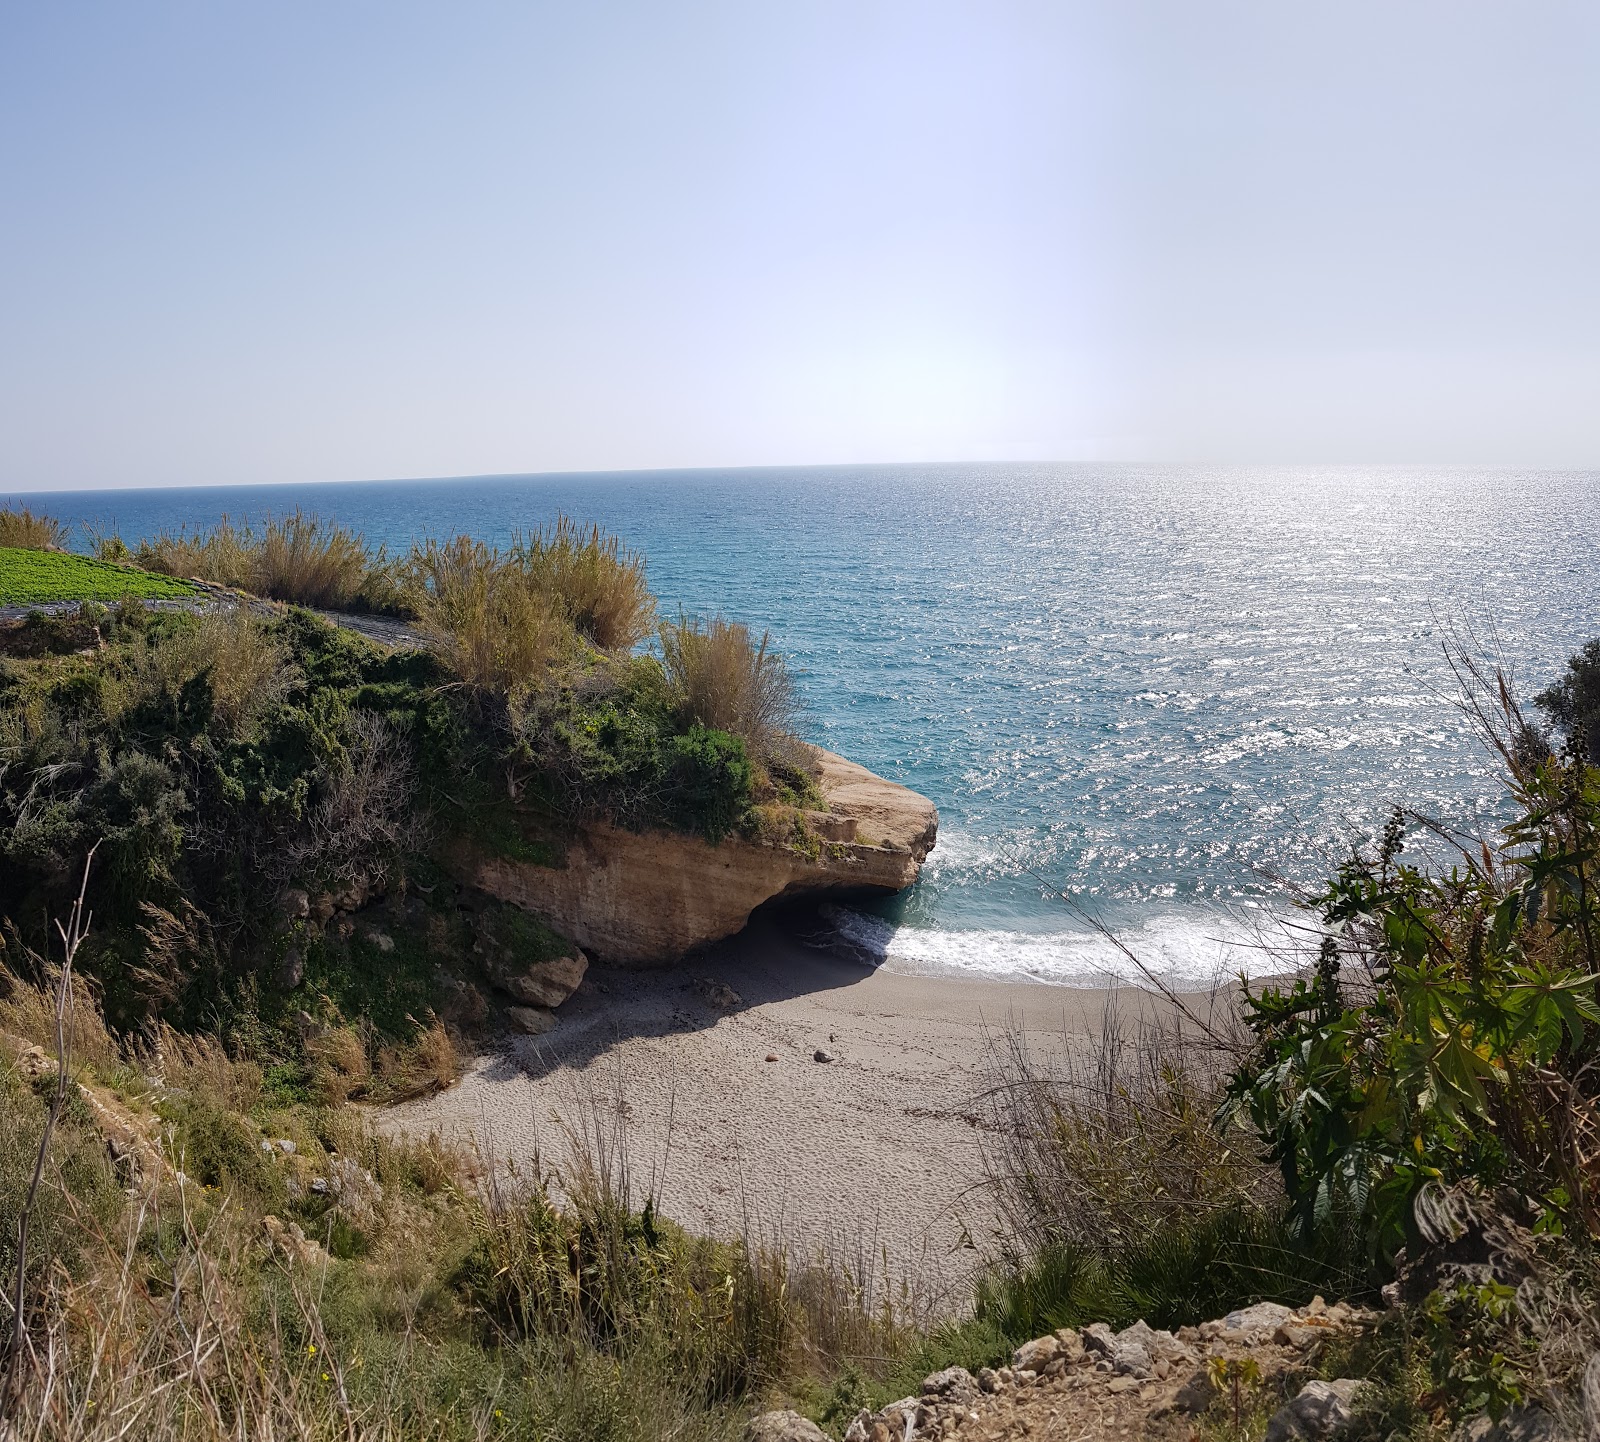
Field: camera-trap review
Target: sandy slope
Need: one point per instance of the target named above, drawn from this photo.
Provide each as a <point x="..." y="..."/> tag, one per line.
<point x="878" y="1149"/>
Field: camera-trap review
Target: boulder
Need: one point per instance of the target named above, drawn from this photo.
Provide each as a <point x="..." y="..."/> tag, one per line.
<point x="539" y="983"/>
<point x="1036" y="1355"/>
<point x="1257" y="1323"/>
<point x="782" y="1427"/>
<point x="531" y="1020"/>
<point x="650" y="898"/>
<point x="1320" y="1409"/>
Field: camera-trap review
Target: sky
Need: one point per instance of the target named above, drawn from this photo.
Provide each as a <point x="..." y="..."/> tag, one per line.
<point x="371" y="238"/>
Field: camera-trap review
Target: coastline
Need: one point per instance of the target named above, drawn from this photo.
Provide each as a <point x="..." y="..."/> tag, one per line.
<point x="876" y="1154"/>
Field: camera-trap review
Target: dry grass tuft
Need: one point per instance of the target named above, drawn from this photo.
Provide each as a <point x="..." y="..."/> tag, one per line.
<point x="339" y="1067"/>
<point x="1114" y="1137"/>
<point x="599" y="587"/>
<point x="22" y="530"/>
<point x="427" y="1063"/>
<point x="300" y="559"/>
<point x="488" y="624"/>
<point x="194" y="1062"/>
<point x="722" y="678"/>
<point x="28" y="1010"/>
<point x="248" y="670"/>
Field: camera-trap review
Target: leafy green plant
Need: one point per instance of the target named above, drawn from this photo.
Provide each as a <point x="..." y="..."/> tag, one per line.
<point x="1475" y="1347"/>
<point x="1451" y="1028"/>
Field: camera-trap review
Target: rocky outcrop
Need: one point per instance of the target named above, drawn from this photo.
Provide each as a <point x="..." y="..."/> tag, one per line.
<point x="650" y="898"/>
<point x="1139" y="1382"/>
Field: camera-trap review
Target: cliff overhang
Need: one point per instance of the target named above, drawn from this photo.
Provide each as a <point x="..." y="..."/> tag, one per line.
<point x="650" y="898"/>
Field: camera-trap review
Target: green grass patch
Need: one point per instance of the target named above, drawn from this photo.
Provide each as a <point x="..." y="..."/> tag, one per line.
<point x="33" y="577"/>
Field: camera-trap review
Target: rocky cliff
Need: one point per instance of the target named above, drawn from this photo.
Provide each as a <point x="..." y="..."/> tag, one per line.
<point x="648" y="898"/>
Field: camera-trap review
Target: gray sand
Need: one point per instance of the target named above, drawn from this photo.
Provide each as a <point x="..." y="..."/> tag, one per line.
<point x="877" y="1151"/>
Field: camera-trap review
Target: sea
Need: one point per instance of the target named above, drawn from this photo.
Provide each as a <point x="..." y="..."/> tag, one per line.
<point x="1155" y="705"/>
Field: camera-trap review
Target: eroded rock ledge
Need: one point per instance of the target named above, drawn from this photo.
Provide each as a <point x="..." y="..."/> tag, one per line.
<point x="647" y="899"/>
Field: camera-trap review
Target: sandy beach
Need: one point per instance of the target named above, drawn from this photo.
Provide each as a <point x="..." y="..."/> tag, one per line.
<point x="877" y="1150"/>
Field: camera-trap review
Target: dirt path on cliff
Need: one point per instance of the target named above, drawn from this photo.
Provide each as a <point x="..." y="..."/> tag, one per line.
<point x="875" y="1153"/>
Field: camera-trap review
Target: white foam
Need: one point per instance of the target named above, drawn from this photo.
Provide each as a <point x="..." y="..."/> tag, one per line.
<point x="1186" y="953"/>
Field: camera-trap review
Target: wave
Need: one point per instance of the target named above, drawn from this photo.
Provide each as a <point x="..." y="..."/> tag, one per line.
<point x="1185" y="953"/>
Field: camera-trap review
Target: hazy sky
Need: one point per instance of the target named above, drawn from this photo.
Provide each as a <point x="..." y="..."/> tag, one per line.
<point x="353" y="238"/>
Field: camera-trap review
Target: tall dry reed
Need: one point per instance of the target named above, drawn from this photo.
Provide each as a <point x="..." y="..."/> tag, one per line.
<point x="597" y="585"/>
<point x="22" y="529"/>
<point x="494" y="630"/>
<point x="298" y="558"/>
<point x="723" y="678"/>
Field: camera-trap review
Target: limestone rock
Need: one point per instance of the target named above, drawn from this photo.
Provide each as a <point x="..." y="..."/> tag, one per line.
<point x="292" y="1242"/>
<point x="1257" y="1323"/>
<point x="649" y="898"/>
<point x="1037" y="1354"/>
<point x="531" y="1020"/>
<point x="782" y="1427"/>
<point x="1321" y="1409"/>
<point x="540" y="983"/>
<point x="954" y="1385"/>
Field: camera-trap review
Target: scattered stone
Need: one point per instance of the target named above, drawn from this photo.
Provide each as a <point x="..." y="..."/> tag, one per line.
<point x="292" y="1242"/>
<point x="989" y="1379"/>
<point x="772" y="1056"/>
<point x="294" y="905"/>
<point x="381" y="939"/>
<point x="719" y="994"/>
<point x="1121" y="1384"/>
<point x="531" y="1020"/>
<point x="782" y="1427"/>
<point x="286" y="1146"/>
<point x="1322" y="1409"/>
<point x="1299" y="1335"/>
<point x="292" y="969"/>
<point x="820" y="1055"/>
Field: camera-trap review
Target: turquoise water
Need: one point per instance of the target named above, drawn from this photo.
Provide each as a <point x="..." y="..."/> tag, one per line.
<point x="1163" y="692"/>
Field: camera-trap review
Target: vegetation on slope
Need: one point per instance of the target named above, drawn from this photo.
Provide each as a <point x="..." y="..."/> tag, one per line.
<point x="31" y="577"/>
<point x="1444" y="1046"/>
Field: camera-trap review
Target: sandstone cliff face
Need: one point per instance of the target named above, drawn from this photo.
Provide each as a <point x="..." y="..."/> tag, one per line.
<point x="648" y="899"/>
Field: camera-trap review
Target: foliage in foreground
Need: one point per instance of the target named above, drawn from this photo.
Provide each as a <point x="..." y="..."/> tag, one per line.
<point x="30" y="577"/>
<point x="1452" y="1029"/>
<point x="431" y="1305"/>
